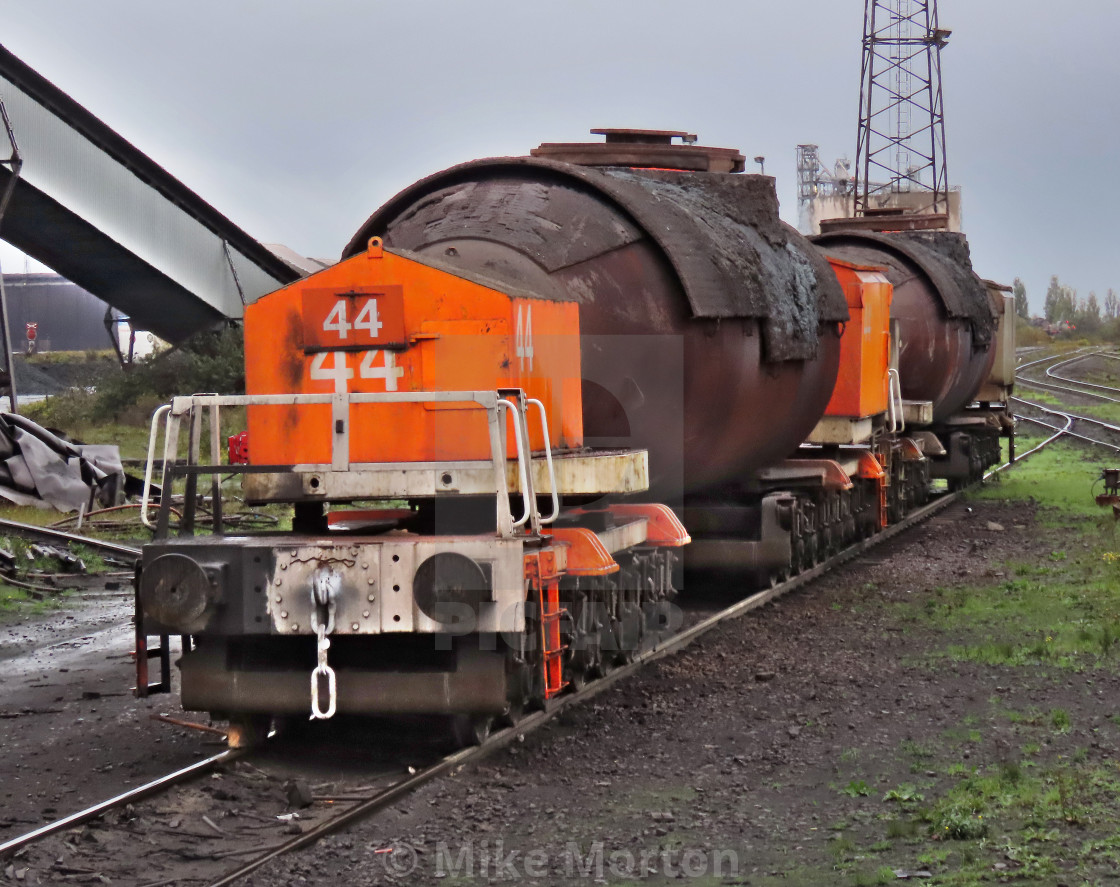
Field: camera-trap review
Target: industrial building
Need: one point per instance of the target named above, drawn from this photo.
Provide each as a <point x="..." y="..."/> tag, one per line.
<point x="67" y="317"/>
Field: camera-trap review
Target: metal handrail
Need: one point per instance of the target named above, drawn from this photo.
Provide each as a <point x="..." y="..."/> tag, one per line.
<point x="183" y="406"/>
<point x="522" y="473"/>
<point x="548" y="459"/>
<point x="895" y="410"/>
<point x="152" y="440"/>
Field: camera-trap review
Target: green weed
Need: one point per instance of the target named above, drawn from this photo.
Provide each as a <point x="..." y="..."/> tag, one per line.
<point x="904" y="794"/>
<point x="856" y="788"/>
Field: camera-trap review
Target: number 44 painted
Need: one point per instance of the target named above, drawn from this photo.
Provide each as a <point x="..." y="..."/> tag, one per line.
<point x="340" y="372"/>
<point x="367" y="319"/>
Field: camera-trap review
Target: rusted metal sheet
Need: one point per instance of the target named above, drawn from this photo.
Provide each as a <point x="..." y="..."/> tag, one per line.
<point x="720" y="234"/>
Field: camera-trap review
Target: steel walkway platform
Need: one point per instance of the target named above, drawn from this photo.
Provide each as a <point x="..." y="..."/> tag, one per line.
<point x="100" y="212"/>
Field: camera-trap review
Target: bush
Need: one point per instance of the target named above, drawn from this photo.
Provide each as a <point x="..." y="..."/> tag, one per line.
<point x="959" y="822"/>
<point x="209" y="362"/>
<point x="1026" y="335"/>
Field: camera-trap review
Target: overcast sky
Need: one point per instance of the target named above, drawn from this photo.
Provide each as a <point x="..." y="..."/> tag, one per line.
<point x="298" y="119"/>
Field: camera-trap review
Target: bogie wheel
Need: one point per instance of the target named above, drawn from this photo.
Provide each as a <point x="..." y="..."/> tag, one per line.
<point x="585" y="645"/>
<point x="576" y="678"/>
<point x="468" y="730"/>
<point x="513" y="714"/>
<point x="811" y="558"/>
<point x="248" y="730"/>
<point x="610" y="643"/>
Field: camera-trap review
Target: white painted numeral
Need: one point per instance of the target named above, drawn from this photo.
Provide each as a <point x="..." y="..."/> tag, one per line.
<point x="367" y="319"/>
<point x="336" y="320"/>
<point x="523" y="340"/>
<point x="340" y="373"/>
<point x="389" y="371"/>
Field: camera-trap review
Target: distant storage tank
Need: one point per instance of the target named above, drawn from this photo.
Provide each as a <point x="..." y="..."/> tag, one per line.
<point x="709" y="327"/>
<point x="946" y="321"/>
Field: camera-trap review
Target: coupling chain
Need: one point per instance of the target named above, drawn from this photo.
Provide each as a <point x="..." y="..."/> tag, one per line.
<point x="325" y="584"/>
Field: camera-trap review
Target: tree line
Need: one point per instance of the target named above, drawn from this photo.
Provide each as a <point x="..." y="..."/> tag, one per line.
<point x="1064" y="308"/>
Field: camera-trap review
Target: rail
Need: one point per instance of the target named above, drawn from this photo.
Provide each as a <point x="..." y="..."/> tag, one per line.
<point x="33" y="531"/>
<point x="135" y="794"/>
<point x="381" y="799"/>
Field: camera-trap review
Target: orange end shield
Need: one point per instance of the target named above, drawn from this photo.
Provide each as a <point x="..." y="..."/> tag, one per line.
<point x="587" y="556"/>
<point x="861" y="386"/>
<point x="869" y="467"/>
<point x="663" y="527"/>
<point x="383" y="322"/>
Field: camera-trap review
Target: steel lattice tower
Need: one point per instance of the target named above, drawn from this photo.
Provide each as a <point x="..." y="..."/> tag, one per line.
<point x="808" y="172"/>
<point x="901" y="140"/>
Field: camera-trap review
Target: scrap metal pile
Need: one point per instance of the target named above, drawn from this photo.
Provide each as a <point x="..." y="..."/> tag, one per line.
<point x="37" y="467"/>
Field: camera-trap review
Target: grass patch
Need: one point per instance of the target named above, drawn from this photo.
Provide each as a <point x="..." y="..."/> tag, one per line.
<point x="76" y="415"/>
<point x="116" y="407"/>
<point x="1063" y="611"/>
<point x="1028" y="821"/>
<point x="1009" y="796"/>
<point x="1060" y="476"/>
<point x="906" y="796"/>
<point x="19" y="601"/>
<point x="57" y="358"/>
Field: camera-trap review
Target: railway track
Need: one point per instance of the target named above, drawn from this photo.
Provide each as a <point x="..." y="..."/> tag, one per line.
<point x="46" y="534"/>
<point x="1058" y="377"/>
<point x="1071" y="418"/>
<point x="1065" y="363"/>
<point x="128" y="797"/>
<point x="406" y="780"/>
<point x="672" y="645"/>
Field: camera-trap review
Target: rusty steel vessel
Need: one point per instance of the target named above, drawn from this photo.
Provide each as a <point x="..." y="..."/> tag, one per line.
<point x="530" y="391"/>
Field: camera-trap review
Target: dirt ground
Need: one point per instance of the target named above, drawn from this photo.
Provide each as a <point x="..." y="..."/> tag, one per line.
<point x="792" y="746"/>
<point x="71" y="730"/>
<point x="764" y="754"/>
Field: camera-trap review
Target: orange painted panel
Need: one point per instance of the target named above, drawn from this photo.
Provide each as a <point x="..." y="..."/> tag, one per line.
<point x="587" y="556"/>
<point x="383" y="322"/>
<point x="862" y="385"/>
<point x="360" y="317"/>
